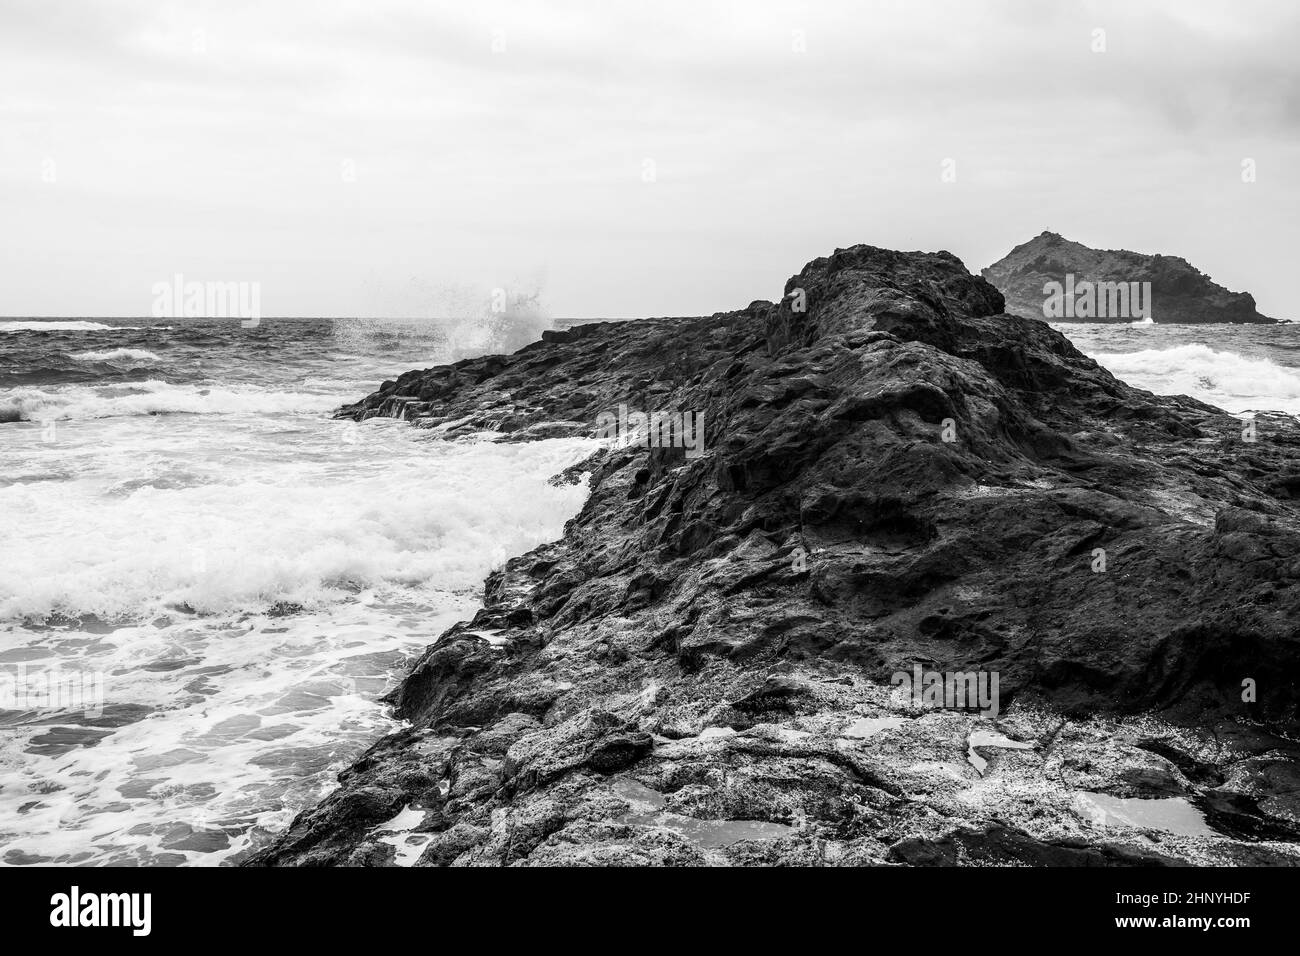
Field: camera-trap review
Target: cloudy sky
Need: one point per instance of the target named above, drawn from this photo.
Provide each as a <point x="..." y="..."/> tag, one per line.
<point x="627" y="158"/>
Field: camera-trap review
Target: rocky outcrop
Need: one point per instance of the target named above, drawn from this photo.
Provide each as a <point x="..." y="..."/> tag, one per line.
<point x="1091" y="282"/>
<point x="896" y="475"/>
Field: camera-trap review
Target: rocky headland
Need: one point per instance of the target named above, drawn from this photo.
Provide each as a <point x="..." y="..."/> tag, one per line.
<point x="896" y="474"/>
<point x="1178" y="292"/>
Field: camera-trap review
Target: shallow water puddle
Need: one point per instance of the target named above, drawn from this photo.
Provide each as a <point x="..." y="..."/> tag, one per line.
<point x="409" y="846"/>
<point x="648" y="810"/>
<point x="870" y="726"/>
<point x="396" y="833"/>
<point x="1171" y="814"/>
<point x="713" y="733"/>
<point x="407" y="818"/>
<point x="493" y="637"/>
<point x="985" y="738"/>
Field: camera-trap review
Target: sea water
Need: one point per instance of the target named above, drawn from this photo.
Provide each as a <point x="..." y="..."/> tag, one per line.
<point x="222" y="579"/>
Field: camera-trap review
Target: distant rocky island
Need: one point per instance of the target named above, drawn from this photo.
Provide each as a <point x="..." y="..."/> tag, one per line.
<point x="1049" y="277"/>
<point x="830" y="515"/>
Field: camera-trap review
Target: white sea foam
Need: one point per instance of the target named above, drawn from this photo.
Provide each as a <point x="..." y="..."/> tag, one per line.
<point x="115" y="355"/>
<point x="382" y="535"/>
<point x="128" y="543"/>
<point x="152" y="397"/>
<point x="60" y="327"/>
<point x="1230" y="381"/>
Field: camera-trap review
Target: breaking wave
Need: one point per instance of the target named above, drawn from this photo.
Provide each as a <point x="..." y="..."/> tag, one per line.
<point x="151" y="397"/>
<point x="1231" y="381"/>
<point x="61" y="327"/>
<point x="116" y="355"/>
<point x="308" y="532"/>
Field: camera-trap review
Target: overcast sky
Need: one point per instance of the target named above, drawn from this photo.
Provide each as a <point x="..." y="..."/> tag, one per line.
<point x="364" y="157"/>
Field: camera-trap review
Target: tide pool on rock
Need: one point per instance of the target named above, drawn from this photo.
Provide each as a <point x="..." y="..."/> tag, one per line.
<point x="648" y="809"/>
<point x="1171" y="814"/>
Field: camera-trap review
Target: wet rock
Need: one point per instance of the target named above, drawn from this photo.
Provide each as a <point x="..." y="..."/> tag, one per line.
<point x="443" y="848"/>
<point x="1000" y="846"/>
<point x="1154" y="781"/>
<point x="617" y="751"/>
<point x="894" y="472"/>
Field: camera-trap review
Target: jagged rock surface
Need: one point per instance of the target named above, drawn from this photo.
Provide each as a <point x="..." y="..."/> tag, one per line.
<point x="707" y="639"/>
<point x="1180" y="292"/>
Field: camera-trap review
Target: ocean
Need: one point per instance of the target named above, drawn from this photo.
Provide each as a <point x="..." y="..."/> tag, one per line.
<point x="216" y="582"/>
<point x="183" y="526"/>
<point x="1239" y="368"/>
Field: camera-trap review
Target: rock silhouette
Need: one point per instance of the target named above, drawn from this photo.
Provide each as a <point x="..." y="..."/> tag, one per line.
<point x="1178" y="292"/>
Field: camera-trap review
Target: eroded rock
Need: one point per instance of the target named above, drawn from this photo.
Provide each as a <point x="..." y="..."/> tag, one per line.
<point x="895" y="472"/>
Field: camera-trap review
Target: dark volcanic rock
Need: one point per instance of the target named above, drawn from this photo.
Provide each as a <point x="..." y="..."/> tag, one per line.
<point x="894" y="472"/>
<point x="1179" y="292"/>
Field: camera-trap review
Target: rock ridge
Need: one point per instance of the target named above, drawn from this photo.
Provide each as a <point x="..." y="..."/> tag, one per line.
<point x="896" y="473"/>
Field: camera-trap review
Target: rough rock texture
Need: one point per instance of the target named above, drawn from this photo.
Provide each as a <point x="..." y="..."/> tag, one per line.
<point x="1180" y="293"/>
<point x="900" y="474"/>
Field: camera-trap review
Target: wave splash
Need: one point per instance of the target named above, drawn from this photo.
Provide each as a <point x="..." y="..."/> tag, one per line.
<point x="117" y="355"/>
<point x="218" y="540"/>
<point x="151" y="397"/>
<point x="23" y="326"/>
<point x="1232" y="382"/>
